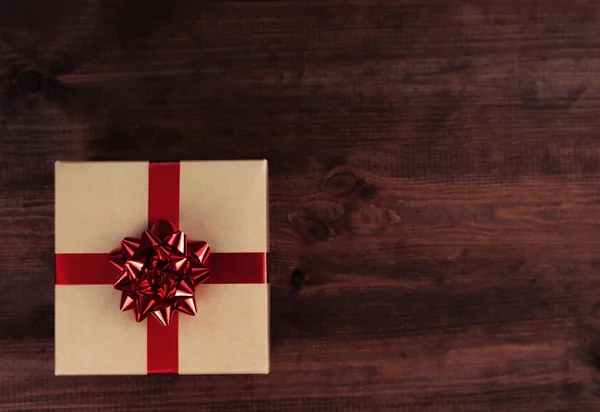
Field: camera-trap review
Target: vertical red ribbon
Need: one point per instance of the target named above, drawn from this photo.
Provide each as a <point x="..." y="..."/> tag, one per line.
<point x="163" y="203"/>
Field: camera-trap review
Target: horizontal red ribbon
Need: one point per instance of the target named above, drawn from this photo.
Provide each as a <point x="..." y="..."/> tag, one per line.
<point x="224" y="268"/>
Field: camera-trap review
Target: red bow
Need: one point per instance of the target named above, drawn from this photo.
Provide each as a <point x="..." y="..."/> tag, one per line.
<point x="159" y="272"/>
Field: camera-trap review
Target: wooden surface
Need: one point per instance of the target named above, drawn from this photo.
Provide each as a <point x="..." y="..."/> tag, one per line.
<point x="435" y="191"/>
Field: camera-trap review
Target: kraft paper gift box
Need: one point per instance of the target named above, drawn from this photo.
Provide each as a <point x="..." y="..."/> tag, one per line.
<point x="224" y="203"/>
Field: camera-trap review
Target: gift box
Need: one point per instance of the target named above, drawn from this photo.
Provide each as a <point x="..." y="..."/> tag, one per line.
<point x="161" y="268"/>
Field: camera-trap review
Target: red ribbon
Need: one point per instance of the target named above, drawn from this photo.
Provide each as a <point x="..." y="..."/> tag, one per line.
<point x="163" y="203"/>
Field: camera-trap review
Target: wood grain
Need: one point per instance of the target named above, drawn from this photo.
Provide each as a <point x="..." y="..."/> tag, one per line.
<point x="435" y="191"/>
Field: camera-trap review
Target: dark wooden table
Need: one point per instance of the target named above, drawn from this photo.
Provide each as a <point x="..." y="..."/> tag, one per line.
<point x="434" y="178"/>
